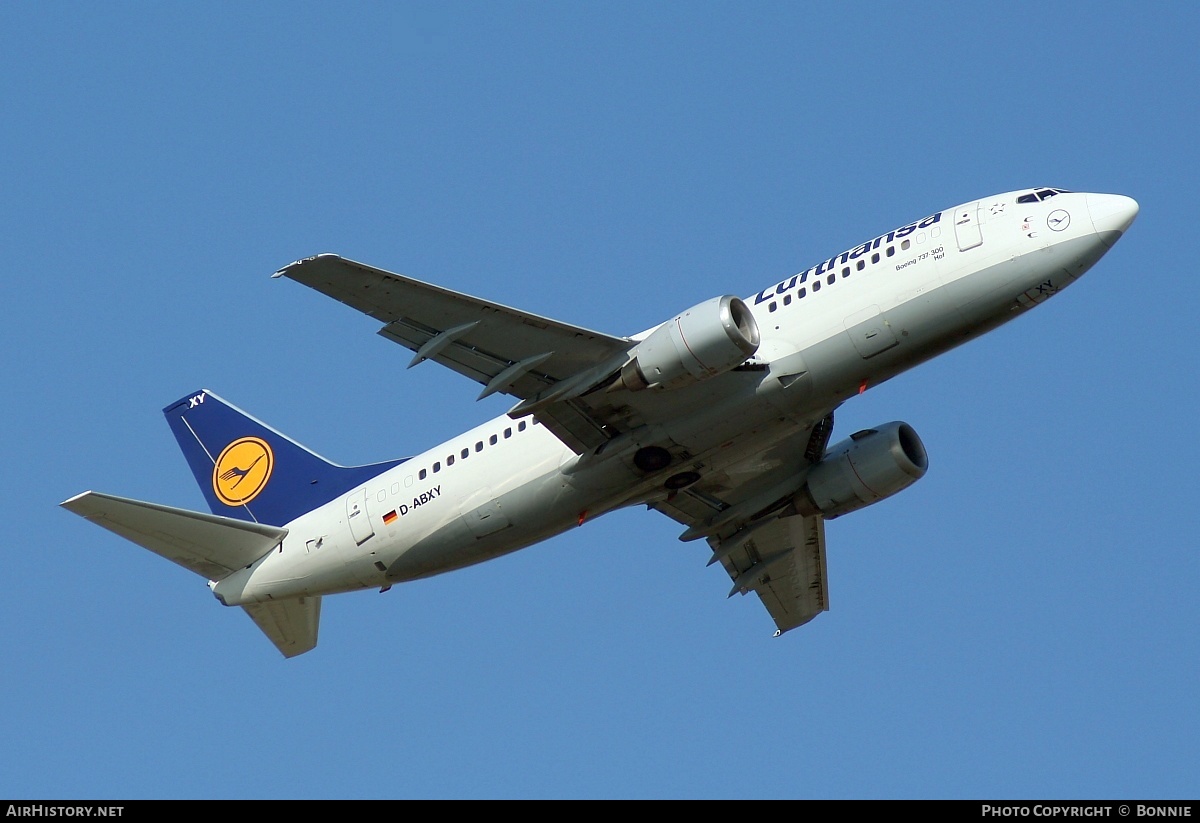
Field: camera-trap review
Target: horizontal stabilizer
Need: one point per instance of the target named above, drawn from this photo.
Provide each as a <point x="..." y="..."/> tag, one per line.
<point x="207" y="544"/>
<point x="290" y="624"/>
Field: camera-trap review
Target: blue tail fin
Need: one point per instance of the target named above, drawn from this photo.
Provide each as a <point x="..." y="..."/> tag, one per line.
<point x="248" y="470"/>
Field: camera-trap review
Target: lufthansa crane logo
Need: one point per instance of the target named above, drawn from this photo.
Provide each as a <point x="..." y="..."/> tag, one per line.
<point x="242" y="471"/>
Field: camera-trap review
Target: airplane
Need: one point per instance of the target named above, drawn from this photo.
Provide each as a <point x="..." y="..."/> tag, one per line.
<point x="719" y="418"/>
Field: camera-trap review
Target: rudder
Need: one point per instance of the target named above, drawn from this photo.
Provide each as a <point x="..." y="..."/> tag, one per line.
<point x="250" y="471"/>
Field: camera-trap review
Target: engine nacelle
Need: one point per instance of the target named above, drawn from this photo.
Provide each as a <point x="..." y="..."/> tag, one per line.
<point x="702" y="342"/>
<point x="871" y="465"/>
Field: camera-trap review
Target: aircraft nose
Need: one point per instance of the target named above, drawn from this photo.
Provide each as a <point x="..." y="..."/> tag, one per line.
<point x="1111" y="215"/>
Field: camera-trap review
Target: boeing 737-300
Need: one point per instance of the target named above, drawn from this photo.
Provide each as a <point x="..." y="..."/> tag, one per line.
<point x="720" y="418"/>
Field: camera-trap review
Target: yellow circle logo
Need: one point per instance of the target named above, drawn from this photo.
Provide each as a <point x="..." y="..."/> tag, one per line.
<point x="242" y="471"/>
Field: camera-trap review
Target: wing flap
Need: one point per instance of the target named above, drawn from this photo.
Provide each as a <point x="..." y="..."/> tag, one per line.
<point x="290" y="624"/>
<point x="207" y="544"/>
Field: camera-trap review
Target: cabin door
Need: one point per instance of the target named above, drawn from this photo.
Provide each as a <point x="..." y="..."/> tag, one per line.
<point x="966" y="227"/>
<point x="356" y="516"/>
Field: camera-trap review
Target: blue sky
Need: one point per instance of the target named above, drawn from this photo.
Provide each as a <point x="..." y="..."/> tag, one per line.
<point x="1022" y="623"/>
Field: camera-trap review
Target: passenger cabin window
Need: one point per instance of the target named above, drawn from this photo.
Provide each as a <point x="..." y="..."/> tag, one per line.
<point x="830" y="279"/>
<point x="891" y="251"/>
<point x="507" y="433"/>
<point x="437" y="467"/>
<point x="521" y="426"/>
<point x="904" y="246"/>
<point x="492" y="440"/>
<point x="862" y="264"/>
<point x="421" y="474"/>
<point x="479" y="445"/>
<point x="816" y="285"/>
<point x="449" y="461"/>
<point x="463" y="454"/>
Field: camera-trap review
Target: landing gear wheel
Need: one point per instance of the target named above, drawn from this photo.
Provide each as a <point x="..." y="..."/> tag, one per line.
<point x="682" y="480"/>
<point x="652" y="458"/>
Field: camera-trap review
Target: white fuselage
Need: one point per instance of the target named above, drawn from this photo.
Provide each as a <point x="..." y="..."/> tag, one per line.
<point x="849" y="322"/>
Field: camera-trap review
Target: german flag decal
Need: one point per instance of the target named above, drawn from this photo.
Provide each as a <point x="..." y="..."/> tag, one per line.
<point x="389" y="518"/>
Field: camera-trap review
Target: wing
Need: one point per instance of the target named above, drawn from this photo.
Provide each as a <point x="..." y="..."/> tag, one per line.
<point x="545" y="363"/>
<point x="784" y="562"/>
<point x="781" y="558"/>
<point x="758" y="534"/>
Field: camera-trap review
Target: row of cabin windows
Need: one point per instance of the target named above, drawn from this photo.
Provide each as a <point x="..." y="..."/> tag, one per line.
<point x="832" y="276"/>
<point x="466" y="452"/>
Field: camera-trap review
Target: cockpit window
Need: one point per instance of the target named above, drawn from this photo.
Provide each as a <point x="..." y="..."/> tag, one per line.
<point x="1040" y="194"/>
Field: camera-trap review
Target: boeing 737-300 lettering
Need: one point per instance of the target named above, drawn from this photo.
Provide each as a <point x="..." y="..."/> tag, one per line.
<point x="720" y="418"/>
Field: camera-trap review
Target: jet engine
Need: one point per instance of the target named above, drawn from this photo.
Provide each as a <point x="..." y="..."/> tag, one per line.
<point x="864" y="469"/>
<point x="702" y="342"/>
